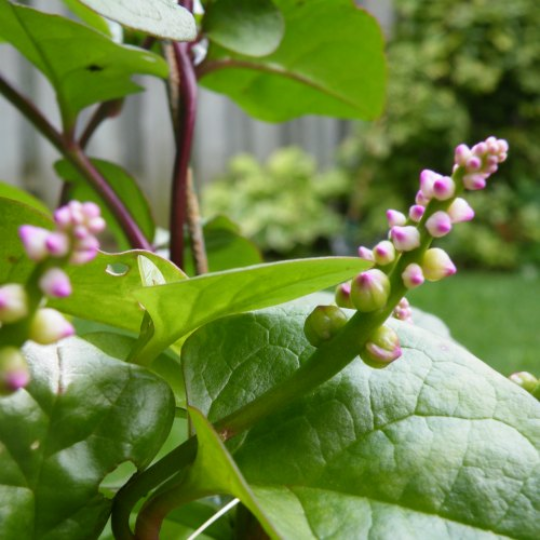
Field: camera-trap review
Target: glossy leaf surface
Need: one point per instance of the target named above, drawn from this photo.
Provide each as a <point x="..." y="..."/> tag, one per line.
<point x="438" y="445"/>
<point x="161" y="18"/>
<point x="123" y="184"/>
<point x="330" y="62"/>
<point x="7" y="191"/>
<point x="178" y="308"/>
<point x="250" y="27"/>
<point x="83" y="65"/>
<point x="82" y="415"/>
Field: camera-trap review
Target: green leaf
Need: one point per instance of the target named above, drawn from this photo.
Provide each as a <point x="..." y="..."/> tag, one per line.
<point x="178" y="308"/>
<point x="123" y="184"/>
<point x="14" y="264"/>
<point x="83" y="65"/>
<point x="250" y="27"/>
<point x="88" y="16"/>
<point x="438" y="445"/>
<point x="79" y="418"/>
<point x="103" y="289"/>
<point x="226" y="248"/>
<point x="160" y="18"/>
<point x="330" y="62"/>
<point x="8" y="191"/>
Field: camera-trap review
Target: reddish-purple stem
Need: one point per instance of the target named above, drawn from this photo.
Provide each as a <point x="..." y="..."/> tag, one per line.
<point x="186" y="125"/>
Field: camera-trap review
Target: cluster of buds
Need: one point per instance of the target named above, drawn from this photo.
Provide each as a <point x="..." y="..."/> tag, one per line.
<point x="23" y="315"/>
<point x="405" y="259"/>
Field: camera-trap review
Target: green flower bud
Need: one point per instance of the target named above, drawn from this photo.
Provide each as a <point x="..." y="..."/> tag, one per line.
<point x="343" y="296"/>
<point x="524" y="379"/>
<point x="14" y="373"/>
<point x="382" y="348"/>
<point x="323" y="324"/>
<point x="370" y="290"/>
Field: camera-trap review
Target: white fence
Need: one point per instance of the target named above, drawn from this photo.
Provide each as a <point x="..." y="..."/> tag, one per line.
<point x="141" y="138"/>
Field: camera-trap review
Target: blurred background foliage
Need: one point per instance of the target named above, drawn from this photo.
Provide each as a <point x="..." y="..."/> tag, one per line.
<point x="458" y="71"/>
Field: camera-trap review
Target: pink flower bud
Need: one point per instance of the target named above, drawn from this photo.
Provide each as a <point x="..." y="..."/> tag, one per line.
<point x="474" y="163"/>
<point x="403" y="311"/>
<point x="503" y="146"/>
<point x="427" y="179"/>
<point x="14" y="373"/>
<point x="474" y="182"/>
<point x="395" y="218"/>
<point x="460" y="211"/>
<point x="370" y="290"/>
<point x="416" y="211"/>
<point x="384" y="253"/>
<point x="13" y="303"/>
<point x="439" y="224"/>
<point x="79" y="257"/>
<point x="444" y="188"/>
<point x="366" y="254"/>
<point x="382" y="348"/>
<point x="55" y="283"/>
<point x="436" y="264"/>
<point x="405" y="238"/>
<point x="62" y="217"/>
<point x="343" y="296"/>
<point x="90" y="210"/>
<point x="412" y="276"/>
<point x="96" y="225"/>
<point x="57" y="244"/>
<point x="462" y="154"/>
<point x="49" y="326"/>
<point x="421" y="199"/>
<point x="34" y="241"/>
<point x="480" y="149"/>
<point x="76" y="210"/>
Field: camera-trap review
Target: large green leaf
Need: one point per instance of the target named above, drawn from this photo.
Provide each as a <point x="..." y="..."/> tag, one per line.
<point x="438" y="445"/>
<point x="178" y="308"/>
<point x="329" y="62"/>
<point x="8" y="191"/>
<point x="103" y="289"/>
<point x="14" y="264"/>
<point x="123" y="184"/>
<point x="161" y="18"/>
<point x="82" y="415"/>
<point x="88" y="16"/>
<point x="250" y="27"/>
<point x="83" y="65"/>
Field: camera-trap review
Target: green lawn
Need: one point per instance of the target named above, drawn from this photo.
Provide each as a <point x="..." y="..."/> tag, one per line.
<point x="496" y="316"/>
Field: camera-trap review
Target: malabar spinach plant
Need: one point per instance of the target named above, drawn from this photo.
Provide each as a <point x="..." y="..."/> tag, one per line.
<point x="237" y="394"/>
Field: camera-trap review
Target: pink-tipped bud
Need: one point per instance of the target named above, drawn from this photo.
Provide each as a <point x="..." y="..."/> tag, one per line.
<point x="460" y="211"/>
<point x="49" y="326"/>
<point x="13" y="303"/>
<point x="79" y="257"/>
<point x="395" y="218"/>
<point x="439" y="224"/>
<point x="474" y="182"/>
<point x="14" y="373"/>
<point x="366" y="254"/>
<point x="480" y="149"/>
<point x="526" y="380"/>
<point x="55" y="283"/>
<point x="405" y="238"/>
<point x="444" y="188"/>
<point x="370" y="290"/>
<point x="462" y="154"/>
<point x="62" y="217"/>
<point x="343" y="296"/>
<point x="57" y="244"/>
<point x="427" y="179"/>
<point x="323" y="323"/>
<point x="416" y="211"/>
<point x="34" y="241"/>
<point x="384" y="253"/>
<point x="403" y="311"/>
<point x="436" y="264"/>
<point x="412" y="276"/>
<point x="76" y="211"/>
<point x="382" y="348"/>
<point x="96" y="225"/>
<point x="90" y="210"/>
<point x="421" y="199"/>
<point x="474" y="163"/>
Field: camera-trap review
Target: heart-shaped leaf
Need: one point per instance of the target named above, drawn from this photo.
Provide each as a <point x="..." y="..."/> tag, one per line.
<point x="161" y="18"/>
<point x="178" y="308"/>
<point x="123" y="184"/>
<point x="83" y="65"/>
<point x="438" y="445"/>
<point x="329" y="62"/>
<point x="82" y="415"/>
<point x="250" y="27"/>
